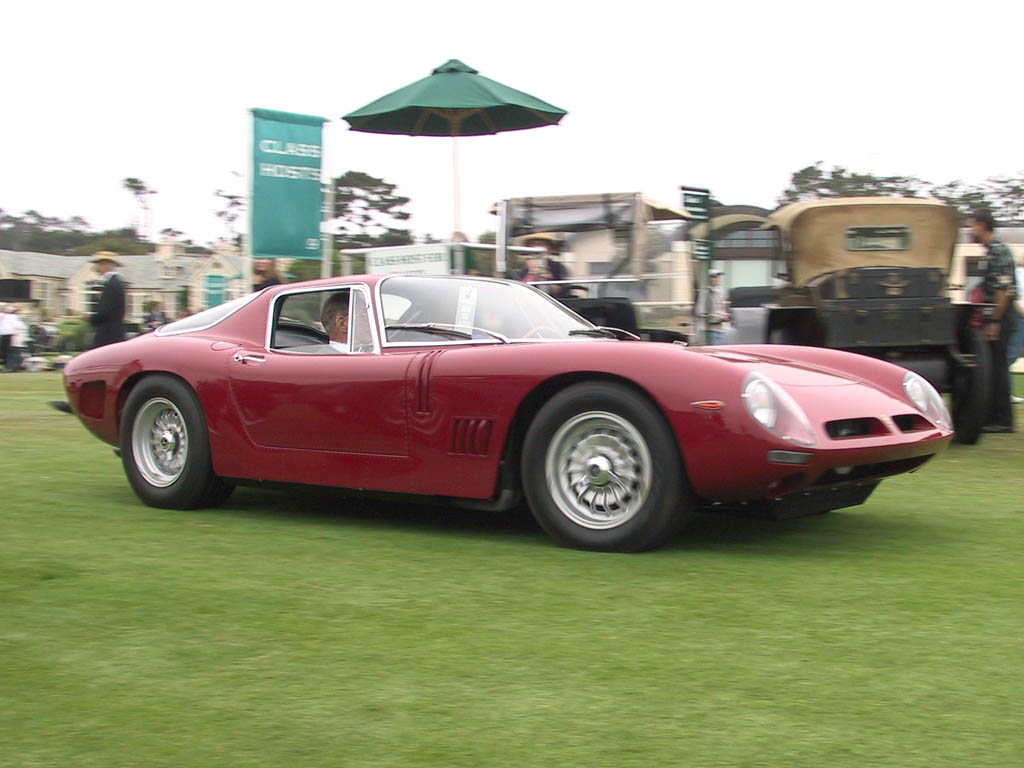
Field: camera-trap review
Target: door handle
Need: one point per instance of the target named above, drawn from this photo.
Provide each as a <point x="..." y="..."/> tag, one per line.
<point x="240" y="357"/>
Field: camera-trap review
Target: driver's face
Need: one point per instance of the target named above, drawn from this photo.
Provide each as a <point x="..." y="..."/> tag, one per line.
<point x="340" y="330"/>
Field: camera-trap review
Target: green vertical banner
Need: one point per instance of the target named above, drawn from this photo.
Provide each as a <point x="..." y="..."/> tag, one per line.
<point x="286" y="201"/>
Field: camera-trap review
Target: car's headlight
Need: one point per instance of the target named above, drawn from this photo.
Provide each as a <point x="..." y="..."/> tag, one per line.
<point x="775" y="410"/>
<point x="926" y="399"/>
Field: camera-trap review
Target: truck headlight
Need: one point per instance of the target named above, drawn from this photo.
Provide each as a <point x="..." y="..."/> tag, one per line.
<point x="774" y="409"/>
<point x="926" y="399"/>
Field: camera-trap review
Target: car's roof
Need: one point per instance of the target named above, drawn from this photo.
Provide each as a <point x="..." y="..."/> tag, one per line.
<point x="816" y="231"/>
<point x="372" y="280"/>
<point x="784" y="217"/>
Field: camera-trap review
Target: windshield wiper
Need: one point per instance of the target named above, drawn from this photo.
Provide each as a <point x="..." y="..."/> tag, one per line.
<point x="445" y="329"/>
<point x="602" y="333"/>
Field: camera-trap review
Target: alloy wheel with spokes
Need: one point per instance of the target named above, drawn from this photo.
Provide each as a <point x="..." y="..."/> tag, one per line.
<point x="165" y="446"/>
<point x="160" y="442"/>
<point x="602" y="470"/>
<point x="598" y="469"/>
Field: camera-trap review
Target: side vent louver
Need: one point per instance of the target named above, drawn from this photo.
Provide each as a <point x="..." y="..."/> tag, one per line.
<point x="422" y="381"/>
<point x="471" y="436"/>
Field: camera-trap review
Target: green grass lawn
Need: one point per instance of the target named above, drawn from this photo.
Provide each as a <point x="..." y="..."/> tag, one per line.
<point x="296" y="627"/>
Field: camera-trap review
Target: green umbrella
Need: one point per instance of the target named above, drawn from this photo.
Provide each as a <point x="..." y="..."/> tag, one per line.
<point x="455" y="100"/>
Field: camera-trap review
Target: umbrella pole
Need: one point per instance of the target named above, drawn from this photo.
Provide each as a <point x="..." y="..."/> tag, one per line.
<point x="456" y="198"/>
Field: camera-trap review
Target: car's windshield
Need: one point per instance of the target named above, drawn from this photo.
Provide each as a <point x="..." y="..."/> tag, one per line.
<point x="421" y="308"/>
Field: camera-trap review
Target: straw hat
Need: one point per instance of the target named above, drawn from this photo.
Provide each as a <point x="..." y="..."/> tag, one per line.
<point x="553" y="240"/>
<point x="105" y="256"/>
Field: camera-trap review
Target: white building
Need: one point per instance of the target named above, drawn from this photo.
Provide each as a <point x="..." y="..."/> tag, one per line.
<point x="67" y="284"/>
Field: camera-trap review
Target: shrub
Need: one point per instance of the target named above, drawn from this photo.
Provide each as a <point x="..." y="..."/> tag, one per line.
<point x="71" y="331"/>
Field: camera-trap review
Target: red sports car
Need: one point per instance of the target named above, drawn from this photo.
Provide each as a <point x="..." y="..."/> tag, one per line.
<point x="481" y="391"/>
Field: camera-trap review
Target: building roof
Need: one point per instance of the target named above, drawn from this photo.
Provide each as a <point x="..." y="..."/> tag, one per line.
<point x="141" y="271"/>
<point x="26" y="263"/>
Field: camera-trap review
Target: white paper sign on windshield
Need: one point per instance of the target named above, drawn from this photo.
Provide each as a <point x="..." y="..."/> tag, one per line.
<point x="465" y="312"/>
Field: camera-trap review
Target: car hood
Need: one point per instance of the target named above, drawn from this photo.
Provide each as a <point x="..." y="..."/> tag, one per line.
<point x="788" y="373"/>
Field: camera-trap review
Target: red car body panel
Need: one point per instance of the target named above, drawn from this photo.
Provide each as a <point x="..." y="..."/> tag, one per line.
<point x="435" y="419"/>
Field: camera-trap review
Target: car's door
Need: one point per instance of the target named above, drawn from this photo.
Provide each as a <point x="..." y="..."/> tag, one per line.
<point x="312" y="396"/>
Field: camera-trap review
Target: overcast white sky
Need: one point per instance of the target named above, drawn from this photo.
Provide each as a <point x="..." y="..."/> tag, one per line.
<point x="735" y="96"/>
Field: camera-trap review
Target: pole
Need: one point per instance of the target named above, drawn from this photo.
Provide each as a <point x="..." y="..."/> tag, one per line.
<point x="247" y="273"/>
<point x="456" y="199"/>
<point x="501" y="247"/>
<point x="327" y="236"/>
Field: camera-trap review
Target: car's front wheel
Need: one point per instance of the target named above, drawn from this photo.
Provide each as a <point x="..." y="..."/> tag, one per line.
<point x="165" y="446"/>
<point x="602" y="471"/>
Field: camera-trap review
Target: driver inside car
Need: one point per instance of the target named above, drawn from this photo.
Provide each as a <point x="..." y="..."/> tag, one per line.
<point x="334" y="317"/>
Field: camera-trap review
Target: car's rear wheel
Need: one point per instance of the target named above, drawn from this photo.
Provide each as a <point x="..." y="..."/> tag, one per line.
<point x="971" y="390"/>
<point x="602" y="471"/>
<point x="165" y="446"/>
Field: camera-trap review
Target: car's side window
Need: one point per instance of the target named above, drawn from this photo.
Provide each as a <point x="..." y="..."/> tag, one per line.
<point x="323" y="322"/>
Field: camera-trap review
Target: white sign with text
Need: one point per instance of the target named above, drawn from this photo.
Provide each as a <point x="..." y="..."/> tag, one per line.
<point x="432" y="259"/>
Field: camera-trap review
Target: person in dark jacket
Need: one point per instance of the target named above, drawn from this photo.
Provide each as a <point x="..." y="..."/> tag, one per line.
<point x="156" y="317"/>
<point x="108" y="318"/>
<point x="264" y="274"/>
<point x="999" y="287"/>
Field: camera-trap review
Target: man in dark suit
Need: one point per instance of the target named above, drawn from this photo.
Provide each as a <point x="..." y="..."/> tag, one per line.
<point x="108" y="317"/>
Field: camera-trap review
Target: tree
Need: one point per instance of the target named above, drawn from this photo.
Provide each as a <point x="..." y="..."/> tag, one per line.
<point x="231" y="207"/>
<point x="123" y="241"/>
<point x="141" y="192"/>
<point x="964" y="197"/>
<point x="1003" y="195"/>
<point x="33" y="231"/>
<point x="367" y="212"/>
<point x="812" y="183"/>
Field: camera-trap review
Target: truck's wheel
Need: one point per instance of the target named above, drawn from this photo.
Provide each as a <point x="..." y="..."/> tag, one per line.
<point x="601" y="470"/>
<point x="971" y="391"/>
<point x="165" y="446"/>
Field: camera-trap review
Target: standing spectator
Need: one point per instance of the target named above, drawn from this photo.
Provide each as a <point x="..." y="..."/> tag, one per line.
<point x="998" y="288"/>
<point x="108" y="317"/>
<point x="1017" y="337"/>
<point x="264" y="274"/>
<point x="156" y="316"/>
<point x="19" y="339"/>
<point x="545" y="266"/>
<point x="710" y="309"/>
<point x="6" y="330"/>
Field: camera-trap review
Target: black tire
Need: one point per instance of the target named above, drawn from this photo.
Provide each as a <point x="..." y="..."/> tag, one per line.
<point x="623" y="449"/>
<point x="971" y="389"/>
<point x="171" y="470"/>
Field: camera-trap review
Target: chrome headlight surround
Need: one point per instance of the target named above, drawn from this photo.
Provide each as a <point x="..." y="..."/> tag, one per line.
<point x="926" y="399"/>
<point x="775" y="410"/>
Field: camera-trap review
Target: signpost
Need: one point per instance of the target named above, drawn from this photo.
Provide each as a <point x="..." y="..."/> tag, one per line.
<point x="702" y="250"/>
<point x="697" y="203"/>
<point x="285" y="196"/>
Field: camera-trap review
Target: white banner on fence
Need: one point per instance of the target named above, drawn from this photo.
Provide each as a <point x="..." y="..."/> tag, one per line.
<point x="432" y="259"/>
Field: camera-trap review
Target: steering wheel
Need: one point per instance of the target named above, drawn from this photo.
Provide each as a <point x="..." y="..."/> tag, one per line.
<point x="536" y="331"/>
